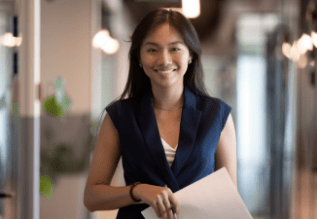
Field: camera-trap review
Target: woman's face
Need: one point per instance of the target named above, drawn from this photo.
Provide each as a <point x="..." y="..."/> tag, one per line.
<point x="164" y="56"/>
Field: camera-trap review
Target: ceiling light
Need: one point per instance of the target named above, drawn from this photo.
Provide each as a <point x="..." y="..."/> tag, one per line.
<point x="191" y="8"/>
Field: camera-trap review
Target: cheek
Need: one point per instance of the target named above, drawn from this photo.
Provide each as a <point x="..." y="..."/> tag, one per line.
<point x="184" y="62"/>
<point x="146" y="64"/>
<point x="146" y="60"/>
<point x="183" y="59"/>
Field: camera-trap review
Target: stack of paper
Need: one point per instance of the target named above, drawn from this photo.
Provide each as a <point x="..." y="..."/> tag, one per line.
<point x="214" y="196"/>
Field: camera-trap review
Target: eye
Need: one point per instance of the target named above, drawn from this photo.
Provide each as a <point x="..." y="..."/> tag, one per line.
<point x="151" y="50"/>
<point x="175" y="49"/>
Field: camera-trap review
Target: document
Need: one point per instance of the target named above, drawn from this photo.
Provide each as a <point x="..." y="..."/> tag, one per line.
<point x="214" y="196"/>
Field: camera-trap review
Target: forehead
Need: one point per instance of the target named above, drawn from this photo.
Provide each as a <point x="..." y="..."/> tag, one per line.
<point x="163" y="34"/>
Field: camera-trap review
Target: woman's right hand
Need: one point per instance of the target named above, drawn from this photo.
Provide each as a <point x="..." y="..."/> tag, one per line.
<point x="160" y="198"/>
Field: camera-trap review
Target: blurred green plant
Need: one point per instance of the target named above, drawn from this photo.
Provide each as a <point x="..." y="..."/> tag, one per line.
<point x="59" y="158"/>
<point x="46" y="186"/>
<point x="60" y="103"/>
<point x="51" y="107"/>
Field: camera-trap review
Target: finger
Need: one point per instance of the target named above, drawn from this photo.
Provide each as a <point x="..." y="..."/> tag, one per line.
<point x="157" y="209"/>
<point x="175" y="204"/>
<point x="161" y="207"/>
<point x="174" y="213"/>
<point x="168" y="208"/>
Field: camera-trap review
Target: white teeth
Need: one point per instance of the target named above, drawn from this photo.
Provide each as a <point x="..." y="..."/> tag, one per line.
<point x="165" y="72"/>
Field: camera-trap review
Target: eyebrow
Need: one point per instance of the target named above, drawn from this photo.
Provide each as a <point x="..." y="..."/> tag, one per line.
<point x="155" y="44"/>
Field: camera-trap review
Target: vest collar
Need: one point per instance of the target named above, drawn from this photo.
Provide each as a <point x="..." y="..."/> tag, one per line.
<point x="188" y="129"/>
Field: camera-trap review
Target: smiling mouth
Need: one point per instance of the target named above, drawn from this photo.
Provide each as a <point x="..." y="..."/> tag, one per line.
<point x="165" y="71"/>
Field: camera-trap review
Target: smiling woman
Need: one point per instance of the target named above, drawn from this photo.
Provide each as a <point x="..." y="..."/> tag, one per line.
<point x="167" y="104"/>
<point x="165" y="58"/>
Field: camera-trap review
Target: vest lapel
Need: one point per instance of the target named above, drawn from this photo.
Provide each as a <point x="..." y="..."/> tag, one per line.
<point x="188" y="130"/>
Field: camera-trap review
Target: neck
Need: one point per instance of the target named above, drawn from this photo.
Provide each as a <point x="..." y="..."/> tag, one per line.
<point x="168" y="98"/>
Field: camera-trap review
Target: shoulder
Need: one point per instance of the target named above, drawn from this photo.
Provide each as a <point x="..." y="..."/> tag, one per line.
<point x="213" y="107"/>
<point x="207" y="103"/>
<point x="120" y="105"/>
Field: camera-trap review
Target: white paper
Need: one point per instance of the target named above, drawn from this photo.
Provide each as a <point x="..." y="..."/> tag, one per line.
<point x="214" y="196"/>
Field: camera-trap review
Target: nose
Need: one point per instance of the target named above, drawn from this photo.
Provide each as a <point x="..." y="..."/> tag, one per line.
<point x="164" y="58"/>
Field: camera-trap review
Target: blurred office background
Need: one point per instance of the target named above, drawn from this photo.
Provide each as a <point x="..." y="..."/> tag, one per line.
<point x="259" y="56"/>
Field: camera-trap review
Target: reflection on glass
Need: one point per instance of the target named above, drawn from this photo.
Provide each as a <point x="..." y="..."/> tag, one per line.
<point x="9" y="40"/>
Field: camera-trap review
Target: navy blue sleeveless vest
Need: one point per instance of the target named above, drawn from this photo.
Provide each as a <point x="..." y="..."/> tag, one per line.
<point x="143" y="157"/>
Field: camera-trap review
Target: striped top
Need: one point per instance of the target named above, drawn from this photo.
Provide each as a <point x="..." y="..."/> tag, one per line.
<point x="169" y="152"/>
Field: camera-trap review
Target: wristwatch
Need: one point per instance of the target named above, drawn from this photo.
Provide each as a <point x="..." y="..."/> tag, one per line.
<point x="131" y="190"/>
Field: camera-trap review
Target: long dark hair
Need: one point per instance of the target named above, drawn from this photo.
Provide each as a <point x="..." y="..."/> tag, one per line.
<point x="138" y="83"/>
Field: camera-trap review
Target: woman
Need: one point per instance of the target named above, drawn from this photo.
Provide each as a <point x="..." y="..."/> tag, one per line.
<point x="169" y="131"/>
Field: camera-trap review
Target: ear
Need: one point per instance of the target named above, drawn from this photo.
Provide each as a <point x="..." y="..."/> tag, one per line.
<point x="190" y="57"/>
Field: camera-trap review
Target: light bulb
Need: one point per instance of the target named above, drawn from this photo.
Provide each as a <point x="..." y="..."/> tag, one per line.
<point x="191" y="8"/>
<point x="100" y="38"/>
<point x="314" y="38"/>
<point x="111" y="46"/>
<point x="7" y="39"/>
<point x="286" y="49"/>
<point x="295" y="53"/>
<point x="304" y="43"/>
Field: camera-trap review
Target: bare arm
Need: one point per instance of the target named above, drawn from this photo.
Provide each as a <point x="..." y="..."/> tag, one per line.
<point x="226" y="154"/>
<point x="99" y="195"/>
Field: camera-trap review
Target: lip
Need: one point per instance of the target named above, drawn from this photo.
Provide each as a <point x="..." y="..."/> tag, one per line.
<point x="165" y="71"/>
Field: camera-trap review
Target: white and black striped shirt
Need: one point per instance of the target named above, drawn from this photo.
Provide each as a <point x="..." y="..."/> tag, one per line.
<point x="169" y="152"/>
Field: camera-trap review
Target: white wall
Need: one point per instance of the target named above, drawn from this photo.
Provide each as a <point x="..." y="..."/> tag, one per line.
<point x="66" y="52"/>
<point x="93" y="79"/>
<point x="66" y="49"/>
